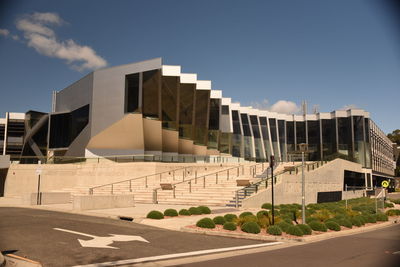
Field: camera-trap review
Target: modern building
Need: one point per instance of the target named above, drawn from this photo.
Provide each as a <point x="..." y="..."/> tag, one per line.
<point x="151" y="108"/>
<point x="12" y="130"/>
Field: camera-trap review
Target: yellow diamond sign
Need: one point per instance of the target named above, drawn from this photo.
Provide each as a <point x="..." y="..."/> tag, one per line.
<point x="385" y="184"/>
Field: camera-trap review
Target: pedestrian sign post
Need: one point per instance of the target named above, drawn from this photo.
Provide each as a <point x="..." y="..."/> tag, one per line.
<point x="385" y="184"/>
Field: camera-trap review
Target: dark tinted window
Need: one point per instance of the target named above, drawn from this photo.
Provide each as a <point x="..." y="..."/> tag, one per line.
<point x="245" y="125"/>
<point x="169" y="102"/>
<point x="225" y="110"/>
<point x="236" y="122"/>
<point x="214" y="114"/>
<point x="65" y="127"/>
<point x="132" y="92"/>
<point x="151" y="97"/>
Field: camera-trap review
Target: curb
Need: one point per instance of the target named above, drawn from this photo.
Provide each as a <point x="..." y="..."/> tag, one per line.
<point x="305" y="239"/>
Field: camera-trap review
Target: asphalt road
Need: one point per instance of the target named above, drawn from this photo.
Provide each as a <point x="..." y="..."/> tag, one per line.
<point x="373" y="249"/>
<point x="31" y="233"/>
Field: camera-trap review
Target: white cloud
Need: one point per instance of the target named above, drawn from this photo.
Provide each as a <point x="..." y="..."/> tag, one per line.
<point x="284" y="106"/>
<point x="4" y="32"/>
<point x="37" y="31"/>
<point x="263" y="105"/>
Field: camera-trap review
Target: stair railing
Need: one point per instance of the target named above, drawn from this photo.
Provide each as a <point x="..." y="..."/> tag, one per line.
<point x="185" y="171"/>
<point x="238" y="170"/>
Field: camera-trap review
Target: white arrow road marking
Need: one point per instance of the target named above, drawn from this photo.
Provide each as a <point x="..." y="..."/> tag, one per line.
<point x="103" y="241"/>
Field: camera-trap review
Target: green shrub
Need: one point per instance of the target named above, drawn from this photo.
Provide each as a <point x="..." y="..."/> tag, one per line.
<point x="395" y="201"/>
<point x="184" y="212"/>
<point x="318" y="226"/>
<point x="393" y="212"/>
<point x="284" y="226"/>
<point x="219" y="220"/>
<point x="194" y="211"/>
<point x="262" y="213"/>
<point x="345" y="222"/>
<point x="305" y="229"/>
<point x="274" y="230"/>
<point x="230" y="226"/>
<point x="244" y="214"/>
<point x="267" y="206"/>
<point x="362" y="219"/>
<point x="356" y="221"/>
<point x="293" y="230"/>
<point x="333" y="225"/>
<point x="204" y="209"/>
<point x="205" y="223"/>
<point x="323" y="215"/>
<point x="170" y="212"/>
<point x="371" y="218"/>
<point x="230" y="217"/>
<point x="381" y="217"/>
<point x="311" y="219"/>
<point x="264" y="221"/>
<point x="251" y="227"/>
<point x="155" y="214"/>
<point x="389" y="205"/>
<point x="242" y="220"/>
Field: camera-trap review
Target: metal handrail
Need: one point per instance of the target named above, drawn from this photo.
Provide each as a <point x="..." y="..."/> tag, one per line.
<point x="256" y="184"/>
<point x="137" y="178"/>
<point x="253" y="169"/>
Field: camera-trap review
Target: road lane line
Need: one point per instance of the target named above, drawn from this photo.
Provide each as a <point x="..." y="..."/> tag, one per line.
<point x="177" y="255"/>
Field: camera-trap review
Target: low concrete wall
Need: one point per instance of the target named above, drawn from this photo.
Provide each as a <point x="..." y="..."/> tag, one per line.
<point x="327" y="178"/>
<point x="50" y="198"/>
<point x="4" y="161"/>
<point x="102" y="202"/>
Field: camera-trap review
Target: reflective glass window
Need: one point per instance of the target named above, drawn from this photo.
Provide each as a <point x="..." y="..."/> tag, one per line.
<point x="169" y="94"/>
<point x="186" y="106"/>
<point x="132" y="93"/>
<point x="314" y="146"/>
<point x="151" y="93"/>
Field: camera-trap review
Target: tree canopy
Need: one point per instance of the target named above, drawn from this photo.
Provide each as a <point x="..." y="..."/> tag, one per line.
<point x="395" y="136"/>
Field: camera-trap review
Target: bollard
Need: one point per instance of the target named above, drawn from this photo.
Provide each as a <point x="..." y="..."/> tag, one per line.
<point x="130" y="185"/>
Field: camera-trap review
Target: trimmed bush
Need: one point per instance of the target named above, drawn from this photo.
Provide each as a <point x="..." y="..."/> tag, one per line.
<point x="381" y="217"/>
<point x="389" y="205"/>
<point x="230" y="217"/>
<point x="305" y="228"/>
<point x="345" y="222"/>
<point x="249" y="218"/>
<point x="230" y="226"/>
<point x="284" y="226"/>
<point x="356" y="221"/>
<point x="331" y="225"/>
<point x="155" y="214"/>
<point x="362" y="219"/>
<point x="251" y="227"/>
<point x="262" y="213"/>
<point x="204" y="209"/>
<point x="184" y="212"/>
<point x="205" y="223"/>
<point x="244" y="214"/>
<point x="170" y="212"/>
<point x="219" y="220"/>
<point x="311" y="219"/>
<point x="370" y="218"/>
<point x="266" y="206"/>
<point x="393" y="212"/>
<point x="318" y="226"/>
<point x="194" y="211"/>
<point x="274" y="230"/>
<point x="293" y="230"/>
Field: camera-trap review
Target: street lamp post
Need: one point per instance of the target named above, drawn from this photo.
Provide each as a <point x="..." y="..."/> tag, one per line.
<point x="303" y="150"/>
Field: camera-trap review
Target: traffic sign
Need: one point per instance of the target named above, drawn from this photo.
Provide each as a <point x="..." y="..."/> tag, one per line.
<point x="385" y="184"/>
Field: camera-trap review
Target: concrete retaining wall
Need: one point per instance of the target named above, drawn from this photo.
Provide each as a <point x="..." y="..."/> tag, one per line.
<point x="102" y="202"/>
<point x="50" y="198"/>
<point x="327" y="178"/>
<point x="4" y="161"/>
<point x="22" y="179"/>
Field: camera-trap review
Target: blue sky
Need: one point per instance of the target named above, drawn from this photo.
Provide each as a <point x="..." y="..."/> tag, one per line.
<point x="333" y="54"/>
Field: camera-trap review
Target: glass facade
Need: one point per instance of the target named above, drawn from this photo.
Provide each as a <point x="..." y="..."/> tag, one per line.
<point x="290" y="136"/>
<point x="300" y="132"/>
<point x="132" y="93"/>
<point x="237" y="150"/>
<point x="265" y="136"/>
<point x="328" y="137"/>
<point x="368" y="156"/>
<point x="359" y="143"/>
<point x="213" y="124"/>
<point x="259" y="150"/>
<point x="201" y="116"/>
<point x="247" y="136"/>
<point x="282" y="139"/>
<point x="344" y="134"/>
<point x="169" y="108"/>
<point x="151" y="87"/>
<point x="314" y="139"/>
<point x="65" y="127"/>
<point x="274" y="138"/>
<point x="186" y="108"/>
